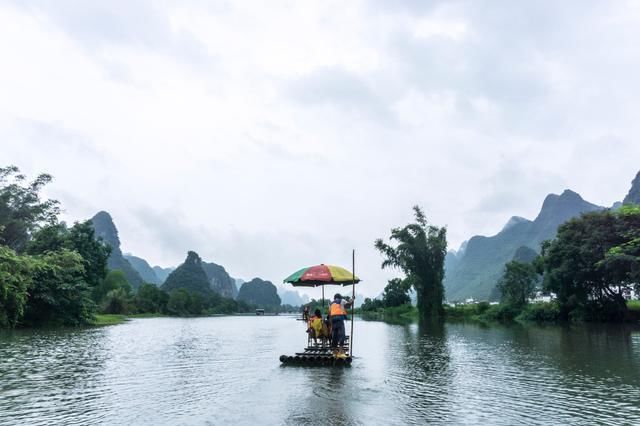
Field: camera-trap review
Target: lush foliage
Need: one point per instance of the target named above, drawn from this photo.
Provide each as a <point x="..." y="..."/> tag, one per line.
<point x="371" y="305"/>
<point x="15" y="279"/>
<point x="485" y="312"/>
<point x="52" y="274"/>
<point x="400" y="313"/>
<point x="420" y="252"/>
<point x="517" y="283"/>
<point x="21" y="210"/>
<point x="48" y="270"/>
<point x="592" y="261"/>
<point x="150" y="299"/>
<point x="80" y="238"/>
<point x="58" y="293"/>
<point x="540" y="312"/>
<point x="396" y="292"/>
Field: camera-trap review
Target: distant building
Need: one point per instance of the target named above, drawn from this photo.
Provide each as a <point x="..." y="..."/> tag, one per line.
<point x="543" y="296"/>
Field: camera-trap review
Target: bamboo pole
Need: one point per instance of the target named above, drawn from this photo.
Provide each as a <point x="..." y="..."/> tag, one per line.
<point x="353" y="299"/>
<point x="322" y="302"/>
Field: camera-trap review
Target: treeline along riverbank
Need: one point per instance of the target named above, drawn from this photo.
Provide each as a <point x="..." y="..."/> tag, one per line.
<point x="54" y="274"/>
<point x="591" y="268"/>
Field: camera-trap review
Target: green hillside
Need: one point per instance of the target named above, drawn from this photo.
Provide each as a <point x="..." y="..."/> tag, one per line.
<point x="143" y="268"/>
<point x="189" y="276"/>
<point x="476" y="271"/>
<point x="260" y="293"/>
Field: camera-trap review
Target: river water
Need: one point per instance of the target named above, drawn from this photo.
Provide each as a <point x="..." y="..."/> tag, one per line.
<point x="225" y="370"/>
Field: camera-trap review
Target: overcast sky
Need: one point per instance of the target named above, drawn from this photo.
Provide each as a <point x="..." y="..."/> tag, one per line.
<point x="268" y="136"/>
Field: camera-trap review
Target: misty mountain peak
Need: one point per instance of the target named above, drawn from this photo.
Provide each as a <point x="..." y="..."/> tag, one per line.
<point x="193" y="258"/>
<point x="514" y="220"/>
<point x="633" y="197"/>
<point x="563" y="206"/>
<point x="106" y="229"/>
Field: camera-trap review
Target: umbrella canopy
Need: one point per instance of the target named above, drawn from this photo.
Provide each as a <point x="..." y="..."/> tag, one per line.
<point x="314" y="276"/>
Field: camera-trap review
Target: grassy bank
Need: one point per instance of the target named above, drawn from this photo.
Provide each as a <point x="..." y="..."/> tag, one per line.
<point x="402" y="313"/>
<point x="633" y="305"/>
<point x="543" y="312"/>
<point x="484" y="312"/>
<point x="109" y="319"/>
<point x="146" y="315"/>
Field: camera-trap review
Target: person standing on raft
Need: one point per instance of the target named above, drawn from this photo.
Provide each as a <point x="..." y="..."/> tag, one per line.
<point x="338" y="314"/>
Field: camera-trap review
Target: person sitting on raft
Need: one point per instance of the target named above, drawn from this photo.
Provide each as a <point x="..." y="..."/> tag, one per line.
<point x="338" y="313"/>
<point x="315" y="326"/>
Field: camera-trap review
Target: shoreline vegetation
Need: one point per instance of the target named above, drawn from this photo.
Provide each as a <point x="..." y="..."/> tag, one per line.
<point x="589" y="271"/>
<point x="101" y="320"/>
<point x="57" y="275"/>
<point x="53" y="274"/>
<point x="484" y="312"/>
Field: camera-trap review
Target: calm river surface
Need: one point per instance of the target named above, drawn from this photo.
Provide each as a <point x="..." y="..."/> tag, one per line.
<point x="225" y="370"/>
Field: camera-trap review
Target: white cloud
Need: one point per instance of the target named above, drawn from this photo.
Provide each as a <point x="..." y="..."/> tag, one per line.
<point x="270" y="136"/>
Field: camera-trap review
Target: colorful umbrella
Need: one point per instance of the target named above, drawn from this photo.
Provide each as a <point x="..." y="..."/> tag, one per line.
<point x="321" y="275"/>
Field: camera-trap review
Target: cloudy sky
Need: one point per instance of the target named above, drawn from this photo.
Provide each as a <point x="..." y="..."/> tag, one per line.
<point x="268" y="136"/>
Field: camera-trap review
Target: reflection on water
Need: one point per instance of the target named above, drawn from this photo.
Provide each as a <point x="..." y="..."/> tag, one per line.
<point x="226" y="370"/>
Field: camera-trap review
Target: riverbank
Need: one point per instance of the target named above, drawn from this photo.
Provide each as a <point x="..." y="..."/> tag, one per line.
<point x="541" y="312"/>
<point x="115" y="319"/>
<point x="108" y="319"/>
<point x="404" y="313"/>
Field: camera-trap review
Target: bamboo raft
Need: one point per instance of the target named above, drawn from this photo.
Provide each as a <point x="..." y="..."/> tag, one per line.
<point x="319" y="355"/>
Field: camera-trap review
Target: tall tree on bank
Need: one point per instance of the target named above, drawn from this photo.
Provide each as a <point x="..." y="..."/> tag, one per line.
<point x="420" y="253"/>
<point x="21" y="210"/>
<point x="593" y="261"/>
<point x="517" y="283"/>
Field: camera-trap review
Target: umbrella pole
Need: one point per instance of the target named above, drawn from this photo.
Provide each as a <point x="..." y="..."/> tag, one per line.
<point x="353" y="299"/>
<point x="322" y="301"/>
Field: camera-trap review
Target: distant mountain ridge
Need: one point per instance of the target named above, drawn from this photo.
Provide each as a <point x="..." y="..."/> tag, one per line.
<point x="106" y="229"/>
<point x="162" y="273"/>
<point x="476" y="272"/>
<point x="144" y="269"/>
<point x="219" y="280"/>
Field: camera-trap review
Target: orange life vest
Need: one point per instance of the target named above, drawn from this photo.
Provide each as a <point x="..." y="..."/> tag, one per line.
<point x="336" y="309"/>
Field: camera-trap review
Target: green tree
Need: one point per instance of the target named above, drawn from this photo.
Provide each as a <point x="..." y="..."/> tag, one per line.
<point x="114" y="280"/>
<point x="396" y="292"/>
<point x="371" y="305"/>
<point x="150" y="299"/>
<point x="58" y="293"/>
<point x="15" y="279"/>
<point x="179" y="302"/>
<point x="592" y="261"/>
<point x="21" y="210"/>
<point x="115" y="302"/>
<point x="518" y="283"/>
<point x="79" y="238"/>
<point x="621" y="262"/>
<point x="420" y="253"/>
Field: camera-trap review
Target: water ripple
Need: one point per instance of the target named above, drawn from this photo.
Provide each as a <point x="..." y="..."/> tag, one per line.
<point x="226" y="370"/>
